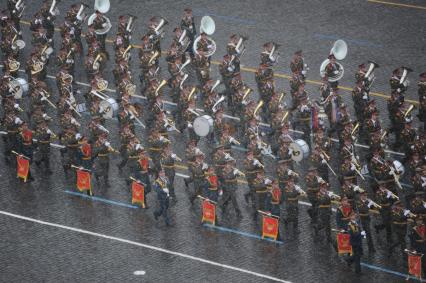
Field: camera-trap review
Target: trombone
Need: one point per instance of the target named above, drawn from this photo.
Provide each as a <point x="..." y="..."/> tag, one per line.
<point x="192" y="93"/>
<point x="394" y="196"/>
<point x="163" y="83"/>
<point x="44" y="94"/>
<point x="260" y="104"/>
<point x="376" y="205"/>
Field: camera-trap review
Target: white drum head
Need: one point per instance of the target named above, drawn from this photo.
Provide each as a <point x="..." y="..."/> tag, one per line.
<point x="203" y="125"/>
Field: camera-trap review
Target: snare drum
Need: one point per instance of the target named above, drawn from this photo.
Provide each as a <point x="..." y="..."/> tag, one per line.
<point x="300" y="150"/>
<point x="19" y="88"/>
<point x="110" y="107"/>
<point x="203" y="125"/>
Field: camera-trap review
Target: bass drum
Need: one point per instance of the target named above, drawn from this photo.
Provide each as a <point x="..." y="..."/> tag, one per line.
<point x="300" y="150"/>
<point x="18" y="88"/>
<point x="203" y="125"/>
<point x="110" y="107"/>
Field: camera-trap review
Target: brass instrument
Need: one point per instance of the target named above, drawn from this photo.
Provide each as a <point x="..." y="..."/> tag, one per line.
<point x="177" y="158"/>
<point x="168" y="122"/>
<point x="383" y="135"/>
<point x="130" y="23"/>
<point x="96" y="64"/>
<point x="376" y="205"/>
<point x="260" y="104"/>
<point x="408" y="110"/>
<point x="111" y="149"/>
<point x="125" y="55"/>
<point x="333" y="195"/>
<point x="101" y="84"/>
<point x="158" y="29"/>
<point x="14" y="65"/>
<point x="234" y="141"/>
<point x="246" y="93"/>
<point x="285" y="116"/>
<point x="20" y="6"/>
<point x="394" y="196"/>
<point x="192" y="93"/>
<point x="44" y="94"/>
<point x="355" y="129"/>
<point x="207" y="26"/>
<point x="80" y="15"/>
<point x="281" y="97"/>
<point x="220" y="100"/>
<point x="299" y="189"/>
<point x="54" y="11"/>
<point x="163" y="83"/>
<point x="72" y="107"/>
<point x="153" y="57"/>
<point x="37" y="67"/>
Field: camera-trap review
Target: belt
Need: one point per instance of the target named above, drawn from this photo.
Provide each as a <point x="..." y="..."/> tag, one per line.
<point x="155" y="148"/>
<point x="261" y="192"/>
<point x="12" y="132"/>
<point x="73" y="145"/>
<point x="26" y="143"/>
<point x="231" y="181"/>
<point x="293" y="199"/>
<point x="213" y="189"/>
<point x="133" y="157"/>
<point x="103" y="154"/>
<point x="168" y="166"/>
<point x="86" y="158"/>
<point x="364" y="214"/>
<point x="305" y="119"/>
<point x="385" y="204"/>
<point x="325" y="206"/>
<point x="420" y="241"/>
<point x="400" y="223"/>
<point x="349" y="177"/>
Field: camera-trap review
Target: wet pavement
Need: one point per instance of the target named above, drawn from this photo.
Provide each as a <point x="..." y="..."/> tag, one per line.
<point x="38" y="252"/>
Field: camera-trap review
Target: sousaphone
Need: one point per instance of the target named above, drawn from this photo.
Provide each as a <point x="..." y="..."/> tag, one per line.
<point x="207" y="26"/>
<point x="103" y="7"/>
<point x="339" y="50"/>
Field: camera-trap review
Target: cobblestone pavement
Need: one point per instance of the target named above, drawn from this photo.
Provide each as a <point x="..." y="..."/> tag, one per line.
<point x="32" y="252"/>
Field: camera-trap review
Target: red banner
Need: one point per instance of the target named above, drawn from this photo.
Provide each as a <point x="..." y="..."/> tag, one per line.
<point x="23" y="167"/>
<point x="83" y="180"/>
<point x="415" y="265"/>
<point x="343" y="243"/>
<point x="270" y="227"/>
<point x="138" y="194"/>
<point x="209" y="212"/>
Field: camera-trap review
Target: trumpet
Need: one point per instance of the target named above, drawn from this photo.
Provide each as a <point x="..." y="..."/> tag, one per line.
<point x="163" y="83"/>
<point x="168" y="122"/>
<point x="258" y="163"/>
<point x="129" y="26"/>
<point x="260" y="104"/>
<point x="292" y="173"/>
<point x="125" y="55"/>
<point x="222" y="98"/>
<point x="376" y="205"/>
<point x="102" y="128"/>
<point x="37" y="67"/>
<point x="236" y="171"/>
<point x="355" y="129"/>
<point x="299" y="189"/>
<point x="184" y="65"/>
<point x="326" y="156"/>
<point x="358" y="189"/>
<point x="192" y="93"/>
<point x="383" y="135"/>
<point x="394" y="196"/>
<point x="357" y="170"/>
<point x="45" y="95"/>
<point x="234" y="141"/>
<point x="153" y="57"/>
<point x="408" y="110"/>
<point x="411" y="215"/>
<point x="177" y="158"/>
<point x="51" y="133"/>
<point x="72" y="107"/>
<point x="333" y="195"/>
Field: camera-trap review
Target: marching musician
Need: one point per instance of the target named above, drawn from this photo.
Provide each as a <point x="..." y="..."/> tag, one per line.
<point x="161" y="186"/>
<point x="364" y="206"/>
<point x="303" y="118"/>
<point x="418" y="238"/>
<point x="69" y="138"/>
<point x="251" y="167"/>
<point x="297" y="64"/>
<point x="43" y="136"/>
<point x="399" y="226"/>
<point x="230" y="187"/>
<point x="198" y="170"/>
<point x="332" y="69"/>
<point x="157" y="143"/>
<point x="219" y="161"/>
<point x="324" y="211"/>
<point x="395" y="81"/>
<point x="292" y="193"/>
<point x="355" y="239"/>
<point x="273" y="199"/>
<point x="99" y="23"/>
<point x="384" y="199"/>
<point x="168" y="159"/>
<point x="422" y="100"/>
<point x="187" y="23"/>
<point x="142" y="167"/>
<point x="312" y="188"/>
<point x="101" y="152"/>
<point x="343" y="213"/>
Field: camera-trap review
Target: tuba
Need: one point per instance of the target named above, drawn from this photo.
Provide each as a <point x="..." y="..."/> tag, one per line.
<point x="207" y="26"/>
<point x="369" y="76"/>
<point x="339" y="50"/>
<point x="103" y="7"/>
<point x="14" y="65"/>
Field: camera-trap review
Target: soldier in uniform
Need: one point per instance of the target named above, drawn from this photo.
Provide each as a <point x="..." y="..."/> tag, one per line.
<point x="168" y="159"/>
<point x="355" y="239"/>
<point x="324" y="211"/>
<point x="291" y="198"/>
<point x="399" y="226"/>
<point x="85" y="153"/>
<point x="395" y="81"/>
<point x="297" y="64"/>
<point x="101" y="151"/>
<point x="43" y="136"/>
<point x="98" y="24"/>
<point x="303" y="118"/>
<point x="364" y="205"/>
<point x="69" y="139"/>
<point x="198" y="169"/>
<point x="332" y="69"/>
<point x="161" y="186"/>
<point x="230" y="187"/>
<point x="343" y="213"/>
<point x="312" y="189"/>
<point x="383" y="198"/>
<point x="156" y="146"/>
<point x="251" y="167"/>
<point x="422" y="100"/>
<point x="187" y="23"/>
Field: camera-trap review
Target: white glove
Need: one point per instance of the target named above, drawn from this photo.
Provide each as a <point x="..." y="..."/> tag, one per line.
<point x="173" y="155"/>
<point x="363" y="233"/>
<point x="262" y="134"/>
<point x="305" y="65"/>
<point x="323" y="161"/>
<point x="16" y="106"/>
<point x="406" y="212"/>
<point x="424" y="204"/>
<point x="138" y="146"/>
<point x="220" y="192"/>
<point x="107" y="144"/>
<point x="166" y="190"/>
<point x="357" y="189"/>
<point x="290" y="172"/>
<point x="398" y="90"/>
<point x="161" y="138"/>
<point x="290" y="151"/>
<point x="43" y="98"/>
<point x="227" y="156"/>
<point x="336" y="72"/>
<point x="18" y="121"/>
<point x="267" y="181"/>
<point x="44" y="115"/>
<point x="189" y="125"/>
<point x="370" y="204"/>
<point x="304" y="72"/>
<point x="321" y="180"/>
<point x="235" y="172"/>
<point x="77" y="136"/>
<point x="256" y="162"/>
<point x="230" y="69"/>
<point x="391" y="172"/>
<point x="389" y="194"/>
<point x="205" y="166"/>
<point x="104" y="25"/>
<point x="49" y="131"/>
<point x="353" y="167"/>
<point x="69" y="61"/>
<point x="304" y="108"/>
<point x="365" y="97"/>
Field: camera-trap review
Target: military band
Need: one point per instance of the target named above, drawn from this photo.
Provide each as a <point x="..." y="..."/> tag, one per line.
<point x="271" y="174"/>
